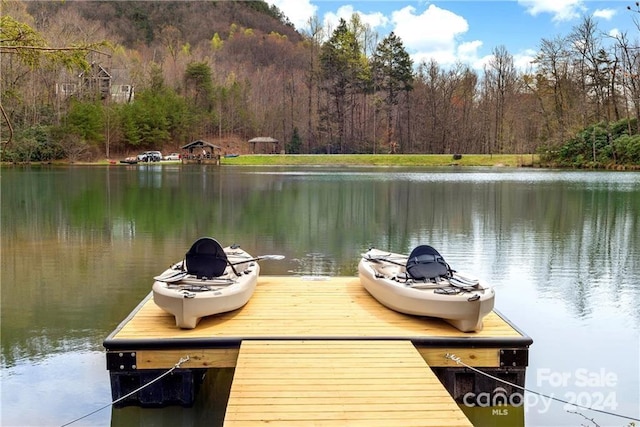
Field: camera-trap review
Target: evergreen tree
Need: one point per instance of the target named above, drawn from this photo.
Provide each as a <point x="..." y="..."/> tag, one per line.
<point x="199" y="85"/>
<point x="392" y="70"/>
<point x="293" y="147"/>
<point x="344" y="71"/>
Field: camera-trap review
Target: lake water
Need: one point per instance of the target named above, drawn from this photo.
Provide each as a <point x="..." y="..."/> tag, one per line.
<point x="80" y="245"/>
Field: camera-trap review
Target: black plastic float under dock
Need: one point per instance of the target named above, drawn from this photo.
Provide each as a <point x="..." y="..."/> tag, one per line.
<point x="322" y="352"/>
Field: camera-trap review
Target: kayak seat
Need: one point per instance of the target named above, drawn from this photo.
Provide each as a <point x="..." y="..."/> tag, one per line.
<point x="206" y="258"/>
<point x="425" y="263"/>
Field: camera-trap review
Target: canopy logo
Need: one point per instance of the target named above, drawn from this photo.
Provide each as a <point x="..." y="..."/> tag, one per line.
<point x="500" y="399"/>
<point x="582" y="388"/>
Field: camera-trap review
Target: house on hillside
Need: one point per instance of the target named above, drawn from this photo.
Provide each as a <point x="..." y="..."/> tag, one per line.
<point x="97" y="82"/>
<point x="121" y="91"/>
<point x="122" y="94"/>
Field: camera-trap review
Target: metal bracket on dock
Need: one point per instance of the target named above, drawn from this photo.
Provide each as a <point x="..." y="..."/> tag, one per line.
<point x="121" y="360"/>
<point x="514" y="357"/>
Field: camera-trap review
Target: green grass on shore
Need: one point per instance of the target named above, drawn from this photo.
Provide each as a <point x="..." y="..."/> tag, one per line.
<point x="513" y="160"/>
<point x="510" y="160"/>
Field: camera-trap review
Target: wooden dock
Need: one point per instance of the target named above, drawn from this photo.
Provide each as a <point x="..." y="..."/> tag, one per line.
<point x="365" y="383"/>
<point x="322" y="329"/>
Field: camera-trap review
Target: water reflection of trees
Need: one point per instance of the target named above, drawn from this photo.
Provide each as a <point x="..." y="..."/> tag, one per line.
<point x="577" y="240"/>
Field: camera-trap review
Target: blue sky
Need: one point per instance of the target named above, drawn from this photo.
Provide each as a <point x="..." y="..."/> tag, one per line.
<point x="467" y="31"/>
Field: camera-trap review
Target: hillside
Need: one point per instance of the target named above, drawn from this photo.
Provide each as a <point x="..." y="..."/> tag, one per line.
<point x="257" y="44"/>
<point x="139" y="23"/>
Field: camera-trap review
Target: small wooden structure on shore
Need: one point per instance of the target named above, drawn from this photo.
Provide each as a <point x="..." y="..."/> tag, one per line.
<point x="322" y="349"/>
<point x="201" y="152"/>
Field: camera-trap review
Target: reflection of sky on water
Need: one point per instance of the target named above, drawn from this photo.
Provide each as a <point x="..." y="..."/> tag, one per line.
<point x="314" y="264"/>
<point x="586" y="179"/>
<point x="56" y="390"/>
<point x="595" y="335"/>
<point x="40" y="343"/>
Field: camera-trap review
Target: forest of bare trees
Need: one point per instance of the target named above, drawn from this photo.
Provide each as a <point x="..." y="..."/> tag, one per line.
<point x="231" y="71"/>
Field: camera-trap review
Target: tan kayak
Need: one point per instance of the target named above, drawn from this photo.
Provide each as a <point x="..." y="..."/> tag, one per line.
<point x="210" y="280"/>
<point x="422" y="284"/>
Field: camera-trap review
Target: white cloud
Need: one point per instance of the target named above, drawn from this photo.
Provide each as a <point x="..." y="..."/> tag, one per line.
<point x="604" y="13"/>
<point x="298" y="11"/>
<point x="374" y="20"/>
<point x="468" y="51"/>
<point x="434" y="25"/>
<point x="562" y="10"/>
<point x="433" y="33"/>
<point x="523" y="60"/>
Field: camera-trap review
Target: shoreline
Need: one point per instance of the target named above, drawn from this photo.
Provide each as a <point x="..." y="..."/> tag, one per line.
<point x="497" y="160"/>
<point x="510" y="160"/>
<point x="373" y="160"/>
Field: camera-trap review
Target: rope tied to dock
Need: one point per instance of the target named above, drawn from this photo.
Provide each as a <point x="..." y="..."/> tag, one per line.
<point x="459" y="361"/>
<point x="120" y="399"/>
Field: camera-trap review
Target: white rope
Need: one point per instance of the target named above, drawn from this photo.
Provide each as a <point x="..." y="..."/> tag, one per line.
<point x="176" y="366"/>
<point x="460" y="362"/>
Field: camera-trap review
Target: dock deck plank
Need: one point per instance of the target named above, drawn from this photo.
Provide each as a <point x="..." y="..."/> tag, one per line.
<point x="290" y="307"/>
<point x="317" y="383"/>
